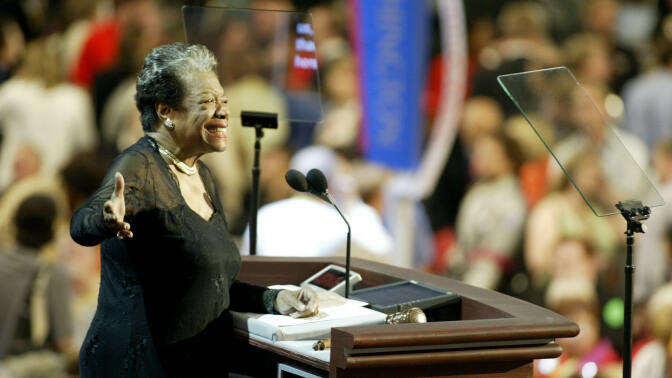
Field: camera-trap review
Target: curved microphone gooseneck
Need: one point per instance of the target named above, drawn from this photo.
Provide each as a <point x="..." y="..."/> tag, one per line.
<point x="317" y="184"/>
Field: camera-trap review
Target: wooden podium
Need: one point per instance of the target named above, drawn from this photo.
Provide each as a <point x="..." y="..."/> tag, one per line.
<point x="496" y="335"/>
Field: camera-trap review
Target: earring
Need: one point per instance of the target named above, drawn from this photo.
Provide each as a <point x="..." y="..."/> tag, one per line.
<point x="169" y="124"/>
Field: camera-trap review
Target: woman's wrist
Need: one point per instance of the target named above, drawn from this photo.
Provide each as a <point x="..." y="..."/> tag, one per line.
<point x="269" y="296"/>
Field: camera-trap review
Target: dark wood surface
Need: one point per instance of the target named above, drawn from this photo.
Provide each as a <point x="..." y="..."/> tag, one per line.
<point x="496" y="335"/>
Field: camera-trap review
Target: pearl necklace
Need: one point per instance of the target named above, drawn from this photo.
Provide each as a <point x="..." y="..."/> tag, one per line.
<point x="182" y="167"/>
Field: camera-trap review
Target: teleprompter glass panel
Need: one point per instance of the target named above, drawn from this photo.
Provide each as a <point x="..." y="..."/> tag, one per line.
<point x="267" y="59"/>
<point x="569" y="119"/>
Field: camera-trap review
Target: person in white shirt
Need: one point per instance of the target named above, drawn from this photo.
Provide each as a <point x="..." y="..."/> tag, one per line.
<point x="305" y="226"/>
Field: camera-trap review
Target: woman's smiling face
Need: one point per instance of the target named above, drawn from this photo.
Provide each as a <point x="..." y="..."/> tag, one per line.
<point x="202" y="121"/>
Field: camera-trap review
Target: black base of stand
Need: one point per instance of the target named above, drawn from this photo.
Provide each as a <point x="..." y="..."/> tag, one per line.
<point x="634" y="213"/>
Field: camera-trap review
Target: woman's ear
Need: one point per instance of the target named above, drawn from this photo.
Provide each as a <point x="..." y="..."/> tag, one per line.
<point x="163" y="111"/>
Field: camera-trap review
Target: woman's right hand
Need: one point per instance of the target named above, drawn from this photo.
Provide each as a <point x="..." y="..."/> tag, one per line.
<point x="115" y="208"/>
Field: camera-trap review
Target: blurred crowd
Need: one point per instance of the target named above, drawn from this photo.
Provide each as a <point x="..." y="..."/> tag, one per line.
<point x="502" y="216"/>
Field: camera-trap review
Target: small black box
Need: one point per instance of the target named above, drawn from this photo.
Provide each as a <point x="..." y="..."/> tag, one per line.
<point x="259" y="119"/>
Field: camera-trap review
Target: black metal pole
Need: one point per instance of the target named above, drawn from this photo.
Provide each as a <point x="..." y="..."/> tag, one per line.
<point x="627" y="325"/>
<point x="634" y="213"/>
<point x="254" y="200"/>
<point x="347" y="252"/>
<point x="347" y="266"/>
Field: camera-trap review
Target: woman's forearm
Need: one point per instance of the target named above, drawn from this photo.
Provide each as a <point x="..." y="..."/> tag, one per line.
<point x="88" y="228"/>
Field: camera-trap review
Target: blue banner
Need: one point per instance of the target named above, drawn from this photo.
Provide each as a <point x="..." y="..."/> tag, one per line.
<point x="391" y="41"/>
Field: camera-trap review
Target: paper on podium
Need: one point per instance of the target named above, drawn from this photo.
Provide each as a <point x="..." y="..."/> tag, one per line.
<point x="334" y="311"/>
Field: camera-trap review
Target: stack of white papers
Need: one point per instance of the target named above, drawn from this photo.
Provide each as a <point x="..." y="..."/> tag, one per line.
<point x="334" y="311"/>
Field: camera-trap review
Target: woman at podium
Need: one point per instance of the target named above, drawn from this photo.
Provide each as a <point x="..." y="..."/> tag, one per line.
<point x="168" y="263"/>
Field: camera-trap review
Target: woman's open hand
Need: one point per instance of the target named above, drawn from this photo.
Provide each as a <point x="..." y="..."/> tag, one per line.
<point x="297" y="304"/>
<point x="114" y="210"/>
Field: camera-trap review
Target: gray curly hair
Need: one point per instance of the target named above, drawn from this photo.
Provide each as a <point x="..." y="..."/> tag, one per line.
<point x="160" y="79"/>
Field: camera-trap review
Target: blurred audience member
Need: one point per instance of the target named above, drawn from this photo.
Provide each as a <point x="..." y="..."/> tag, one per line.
<point x="304" y="225"/>
<point x="135" y="40"/>
<point x="12" y="45"/>
<point x="575" y="257"/>
<point x="17" y="193"/>
<point x="273" y="187"/>
<point x="27" y="162"/>
<point x="601" y="17"/>
<point x="524" y="28"/>
<point x="81" y="178"/>
<point x="594" y="131"/>
<point x="523" y="44"/>
<point x="338" y="78"/>
<point x="272" y="183"/>
<point x="563" y="214"/>
<point x="648" y="101"/>
<point x="78" y="17"/>
<point x="102" y="46"/>
<point x="329" y="27"/>
<point x="37" y="107"/>
<point x="588" y="58"/>
<point x="340" y="128"/>
<point x="403" y="217"/>
<point x="36" y="321"/>
<point x="491" y="217"/>
<point x="114" y="91"/>
<point x="371" y="179"/>
<point x="562" y="17"/>
<point x="651" y="257"/>
<point x="534" y="169"/>
<point x="650" y="354"/>
<point x="587" y="354"/>
<point x="480" y="116"/>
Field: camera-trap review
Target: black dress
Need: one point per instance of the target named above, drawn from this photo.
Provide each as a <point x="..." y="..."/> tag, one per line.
<point x="165" y="293"/>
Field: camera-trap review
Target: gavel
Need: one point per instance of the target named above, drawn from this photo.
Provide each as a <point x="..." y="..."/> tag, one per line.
<point x="411" y="315"/>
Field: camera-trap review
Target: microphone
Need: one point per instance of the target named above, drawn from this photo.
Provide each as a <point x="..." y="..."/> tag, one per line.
<point x="316" y="179"/>
<point x="317" y="185"/>
<point x="296" y="180"/>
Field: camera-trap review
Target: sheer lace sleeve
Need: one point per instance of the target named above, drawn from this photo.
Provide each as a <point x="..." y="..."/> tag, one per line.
<point x="87" y="226"/>
<point x="246" y="297"/>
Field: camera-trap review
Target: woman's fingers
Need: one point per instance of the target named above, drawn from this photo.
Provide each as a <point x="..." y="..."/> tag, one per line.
<point x="124" y="234"/>
<point x="118" y="186"/>
<point x="307" y="298"/>
<point x="296" y="303"/>
<point x="114" y="209"/>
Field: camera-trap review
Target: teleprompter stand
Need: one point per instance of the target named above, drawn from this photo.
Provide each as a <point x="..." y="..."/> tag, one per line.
<point x="260" y="121"/>
<point x="634" y="213"/>
<point x="539" y="95"/>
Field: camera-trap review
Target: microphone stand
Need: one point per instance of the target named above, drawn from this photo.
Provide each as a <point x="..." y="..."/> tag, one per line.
<point x="254" y="200"/>
<point x="347" y="246"/>
<point x="260" y="121"/>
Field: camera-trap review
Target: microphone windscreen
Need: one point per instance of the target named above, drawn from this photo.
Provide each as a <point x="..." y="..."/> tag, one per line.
<point x="296" y="180"/>
<point x="316" y="180"/>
